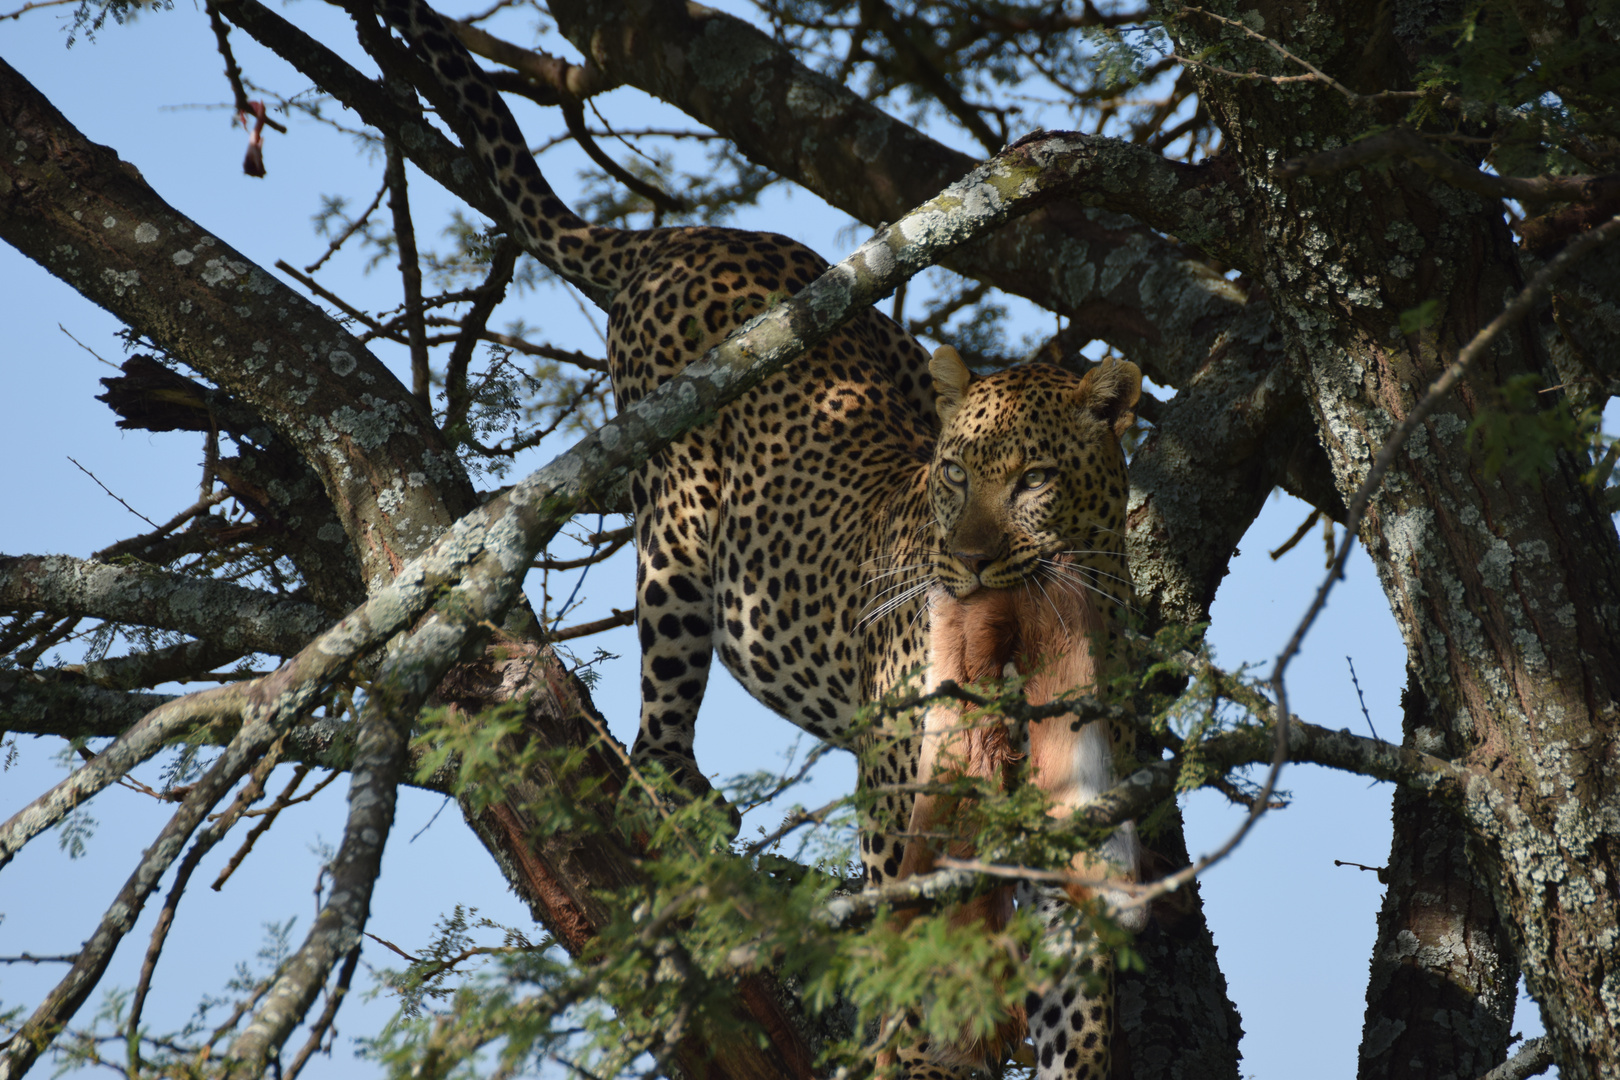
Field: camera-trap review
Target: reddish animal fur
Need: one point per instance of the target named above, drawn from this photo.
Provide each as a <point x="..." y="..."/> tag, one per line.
<point x="1047" y="635"/>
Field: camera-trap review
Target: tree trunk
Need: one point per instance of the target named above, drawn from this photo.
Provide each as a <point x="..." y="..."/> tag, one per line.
<point x="1444" y="974"/>
<point x="1506" y="590"/>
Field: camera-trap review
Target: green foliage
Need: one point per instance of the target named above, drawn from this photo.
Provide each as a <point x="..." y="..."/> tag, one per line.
<point x="89" y="16"/>
<point x="1546" y="81"/>
<point x="454" y="944"/>
<point x="1525" y="429"/>
<point x="481" y="750"/>
<point x="1424" y="315"/>
<point x="706" y="915"/>
<point x="184" y="766"/>
<point x="1123" y="57"/>
<point x="74" y="831"/>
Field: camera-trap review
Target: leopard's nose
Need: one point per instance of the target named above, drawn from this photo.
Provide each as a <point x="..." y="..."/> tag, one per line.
<point x="975" y="561"/>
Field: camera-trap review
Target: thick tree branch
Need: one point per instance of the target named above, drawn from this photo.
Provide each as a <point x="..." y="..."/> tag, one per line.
<point x="1144" y="295"/>
<point x="89" y="219"/>
<point x="1236" y="429"/>
<point x="1442" y="989"/>
<point x="1504" y="587"/>
<point x="53" y="704"/>
<point x="167" y="722"/>
<point x="229" y="616"/>
<point x="138" y="670"/>
<point x="46" y="703"/>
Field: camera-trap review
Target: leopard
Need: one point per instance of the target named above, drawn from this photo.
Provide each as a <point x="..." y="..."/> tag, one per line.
<point x="797" y="532"/>
<point x="1046" y="632"/>
<point x="1027" y="491"/>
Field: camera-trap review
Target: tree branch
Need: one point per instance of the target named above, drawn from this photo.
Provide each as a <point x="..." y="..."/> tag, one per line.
<point x="228" y="616"/>
<point x="167" y="278"/>
<point x="1405" y="143"/>
<point x="1534" y="1058"/>
<point x="1124" y="283"/>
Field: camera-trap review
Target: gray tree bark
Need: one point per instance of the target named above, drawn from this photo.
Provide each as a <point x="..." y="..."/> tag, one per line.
<point x="1507" y="591"/>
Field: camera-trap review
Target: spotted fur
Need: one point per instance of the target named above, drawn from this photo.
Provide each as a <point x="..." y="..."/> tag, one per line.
<point x="1028" y="493"/>
<point x="796" y="533"/>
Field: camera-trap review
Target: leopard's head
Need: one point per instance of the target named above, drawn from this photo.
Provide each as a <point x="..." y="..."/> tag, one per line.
<point x="1028" y="478"/>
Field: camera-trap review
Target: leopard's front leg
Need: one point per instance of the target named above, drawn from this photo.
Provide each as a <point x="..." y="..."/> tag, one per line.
<point x="674" y="612"/>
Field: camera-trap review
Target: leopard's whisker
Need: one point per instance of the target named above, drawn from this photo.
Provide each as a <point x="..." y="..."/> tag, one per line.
<point x="892" y="571"/>
<point x="1093" y="570"/>
<point x="1073" y="577"/>
<point x="896" y="601"/>
<point x="1040" y="584"/>
<point x="885" y="601"/>
<point x="922" y="609"/>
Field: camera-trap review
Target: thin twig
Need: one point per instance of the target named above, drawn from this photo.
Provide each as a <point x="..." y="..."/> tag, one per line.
<point x="109" y="491"/>
<point x="136" y="543"/>
<point x="233" y="73"/>
<point x="584" y="560"/>
<point x="349" y="230"/>
<point x="785" y="781"/>
<point x="1027" y="873"/>
<point x="595" y="626"/>
<point x="1313" y="73"/>
<point x="1299" y="534"/>
<point x="545" y="352"/>
<point x="1355" y="682"/>
<point x="20" y="12"/>
<point x="330" y="297"/>
<point x="574" y="116"/>
<point x="251" y="792"/>
<point x="410" y="272"/>
<point x="470" y="328"/>
<point x="272" y="812"/>
<point x="795" y="820"/>
<point x="395" y="949"/>
<point x="313" y="793"/>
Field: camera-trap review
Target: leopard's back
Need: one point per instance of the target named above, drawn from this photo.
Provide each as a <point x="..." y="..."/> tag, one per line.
<point x="762" y="530"/>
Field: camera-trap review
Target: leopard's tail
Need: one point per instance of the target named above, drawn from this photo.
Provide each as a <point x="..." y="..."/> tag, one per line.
<point x="468" y="101"/>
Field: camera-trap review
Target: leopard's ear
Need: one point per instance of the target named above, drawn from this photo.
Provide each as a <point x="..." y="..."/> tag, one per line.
<point x="1110" y="392"/>
<point x="951" y="378"/>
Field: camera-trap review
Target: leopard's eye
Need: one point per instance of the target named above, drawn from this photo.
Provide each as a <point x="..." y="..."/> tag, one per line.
<point x="1035" y="478"/>
<point x="955" y="473"/>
